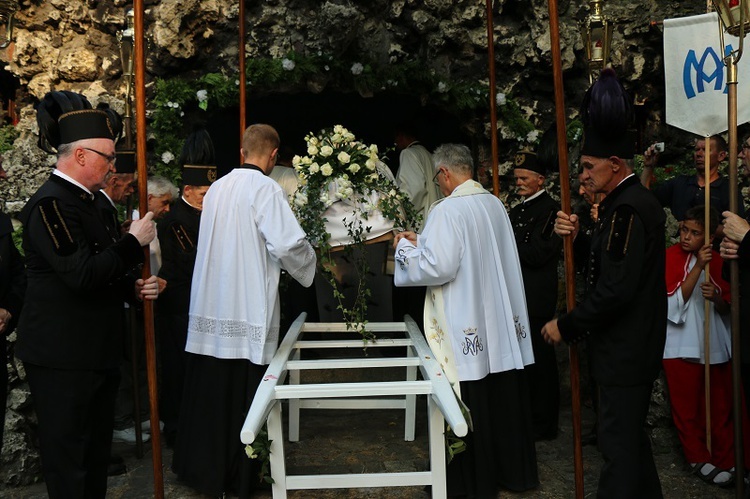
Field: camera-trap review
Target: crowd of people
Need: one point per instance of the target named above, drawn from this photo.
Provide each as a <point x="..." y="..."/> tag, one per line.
<point x="482" y="280"/>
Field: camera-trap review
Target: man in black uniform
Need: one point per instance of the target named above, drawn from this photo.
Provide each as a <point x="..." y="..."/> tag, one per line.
<point x="624" y="312"/>
<point x="71" y="326"/>
<point x="12" y="289"/>
<point x="178" y="236"/>
<point x="533" y="223"/>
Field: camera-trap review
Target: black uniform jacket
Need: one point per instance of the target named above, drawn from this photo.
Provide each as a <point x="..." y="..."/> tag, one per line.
<point x="73" y="313"/>
<point x="539" y="251"/>
<point x="109" y="214"/>
<point x="178" y="238"/>
<point x="12" y="274"/>
<point x="625" y="309"/>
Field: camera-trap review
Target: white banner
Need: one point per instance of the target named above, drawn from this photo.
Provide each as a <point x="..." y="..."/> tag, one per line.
<point x="695" y="76"/>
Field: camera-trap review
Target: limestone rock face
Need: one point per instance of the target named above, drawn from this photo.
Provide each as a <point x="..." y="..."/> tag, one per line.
<point x="65" y="45"/>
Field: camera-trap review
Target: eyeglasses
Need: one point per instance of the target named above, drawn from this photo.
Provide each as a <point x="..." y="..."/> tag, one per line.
<point x="440" y="170"/>
<point x="111" y="158"/>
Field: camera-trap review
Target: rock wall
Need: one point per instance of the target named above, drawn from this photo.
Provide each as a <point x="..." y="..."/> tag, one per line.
<point x="72" y="44"/>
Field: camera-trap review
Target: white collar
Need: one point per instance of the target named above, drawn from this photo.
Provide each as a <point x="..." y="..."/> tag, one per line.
<point x="71" y="180"/>
<point x="534" y="196"/>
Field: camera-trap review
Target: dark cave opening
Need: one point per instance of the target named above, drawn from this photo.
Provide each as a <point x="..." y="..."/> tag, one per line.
<point x="371" y="120"/>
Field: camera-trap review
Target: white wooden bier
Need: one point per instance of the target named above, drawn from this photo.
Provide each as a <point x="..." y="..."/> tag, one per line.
<point x="441" y="403"/>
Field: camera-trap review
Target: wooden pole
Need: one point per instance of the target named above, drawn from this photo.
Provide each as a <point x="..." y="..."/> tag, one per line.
<point x="570" y="284"/>
<point x="734" y="284"/>
<point x="493" y="98"/>
<point x="243" y="77"/>
<point x="148" y="307"/>
<point x="707" y="278"/>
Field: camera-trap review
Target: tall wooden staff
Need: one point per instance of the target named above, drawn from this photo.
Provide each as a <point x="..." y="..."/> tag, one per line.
<point x="570" y="285"/>
<point x="148" y="307"/>
<point x="707" y="303"/>
<point x="493" y="94"/>
<point x="243" y="79"/>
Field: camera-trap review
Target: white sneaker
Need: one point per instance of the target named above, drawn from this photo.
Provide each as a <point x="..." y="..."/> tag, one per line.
<point x="146" y="426"/>
<point x="128" y="436"/>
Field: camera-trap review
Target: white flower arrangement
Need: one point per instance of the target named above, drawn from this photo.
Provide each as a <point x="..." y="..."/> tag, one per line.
<point x="339" y="168"/>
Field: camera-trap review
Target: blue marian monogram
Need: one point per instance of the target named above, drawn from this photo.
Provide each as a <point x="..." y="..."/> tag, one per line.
<point x="695" y="67"/>
<point x="472" y="343"/>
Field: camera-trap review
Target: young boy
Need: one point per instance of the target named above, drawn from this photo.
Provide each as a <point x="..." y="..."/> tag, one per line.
<point x="684" y="355"/>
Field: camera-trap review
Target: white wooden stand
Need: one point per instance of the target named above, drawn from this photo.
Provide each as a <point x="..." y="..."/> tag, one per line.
<point x="441" y="403"/>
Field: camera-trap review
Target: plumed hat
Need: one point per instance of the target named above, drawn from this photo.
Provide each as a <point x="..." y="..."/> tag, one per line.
<point x="65" y="117"/>
<point x="607" y="113"/>
<point x="126" y="161"/>
<point x="197" y="159"/>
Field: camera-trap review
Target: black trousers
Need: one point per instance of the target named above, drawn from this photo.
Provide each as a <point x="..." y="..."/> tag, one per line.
<point x="544" y="383"/>
<point x="628" y="470"/>
<point x="75" y="410"/>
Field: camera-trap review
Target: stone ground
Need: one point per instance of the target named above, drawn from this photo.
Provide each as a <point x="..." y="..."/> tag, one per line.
<point x="351" y="441"/>
<point x="372" y="441"/>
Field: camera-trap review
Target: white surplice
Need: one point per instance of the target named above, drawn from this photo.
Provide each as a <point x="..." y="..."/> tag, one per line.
<point x="476" y="320"/>
<point x="685" y="325"/>
<point x="415" y="176"/>
<point x="248" y="233"/>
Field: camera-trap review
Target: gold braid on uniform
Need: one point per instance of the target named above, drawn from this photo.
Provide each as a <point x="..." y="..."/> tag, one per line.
<point x="56" y="227"/>
<point x="619" y="232"/>
<point x="183" y="238"/>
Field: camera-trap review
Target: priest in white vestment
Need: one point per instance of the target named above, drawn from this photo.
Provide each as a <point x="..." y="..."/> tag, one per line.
<point x="476" y="324"/>
<point x="248" y="233"/>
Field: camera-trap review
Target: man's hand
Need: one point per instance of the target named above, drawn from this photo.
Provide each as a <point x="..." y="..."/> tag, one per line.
<point x="735" y="227"/>
<point x="411" y="236"/>
<point x="551" y="333"/>
<point x="148" y="289"/>
<point x="566" y="225"/>
<point x="144" y="229"/>
<point x="5" y="318"/>
<point x="650" y="157"/>
<point x="729" y="249"/>
<point x="162" y="284"/>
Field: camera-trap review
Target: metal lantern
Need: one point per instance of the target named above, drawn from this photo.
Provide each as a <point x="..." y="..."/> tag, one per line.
<point x="734" y="15"/>
<point x="125" y="39"/>
<point x="596" y="32"/>
<point x="8" y="9"/>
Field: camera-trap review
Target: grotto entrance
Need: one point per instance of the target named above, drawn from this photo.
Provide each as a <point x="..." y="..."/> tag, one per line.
<point x="371" y="119"/>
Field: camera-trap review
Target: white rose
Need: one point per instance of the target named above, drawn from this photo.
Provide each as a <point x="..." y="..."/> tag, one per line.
<point x="300" y="199"/>
<point x="312" y="150"/>
<point x="296" y="161"/>
<point x="167" y="157"/>
<point x="371" y="164"/>
<point x="314" y="168"/>
<point x="373" y="177"/>
<point x="348" y="136"/>
<point x="354" y="168"/>
<point x="392" y="193"/>
<point x="326" y="151"/>
<point x="339" y="129"/>
<point x="336" y="138"/>
<point x="287" y="64"/>
<point x="343" y="157"/>
<point x="307" y="160"/>
<point x="374" y="148"/>
<point x="326" y="169"/>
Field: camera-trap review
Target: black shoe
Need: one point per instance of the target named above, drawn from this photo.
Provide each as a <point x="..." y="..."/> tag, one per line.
<point x="116" y="465"/>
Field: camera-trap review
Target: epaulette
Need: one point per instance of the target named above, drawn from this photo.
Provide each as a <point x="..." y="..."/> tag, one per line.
<point x="620" y="229"/>
<point x="183" y="238"/>
<point x="56" y="228"/>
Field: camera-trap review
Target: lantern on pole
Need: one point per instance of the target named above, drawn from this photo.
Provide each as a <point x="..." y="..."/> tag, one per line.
<point x="596" y="32"/>
<point x="734" y="17"/>
<point x="125" y="39"/>
<point x="8" y="9"/>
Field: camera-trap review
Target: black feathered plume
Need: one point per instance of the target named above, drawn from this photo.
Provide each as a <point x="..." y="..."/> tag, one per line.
<point x="115" y="121"/>
<point x="48" y="112"/>
<point x="607" y="107"/>
<point x="198" y="149"/>
<point x="546" y="152"/>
